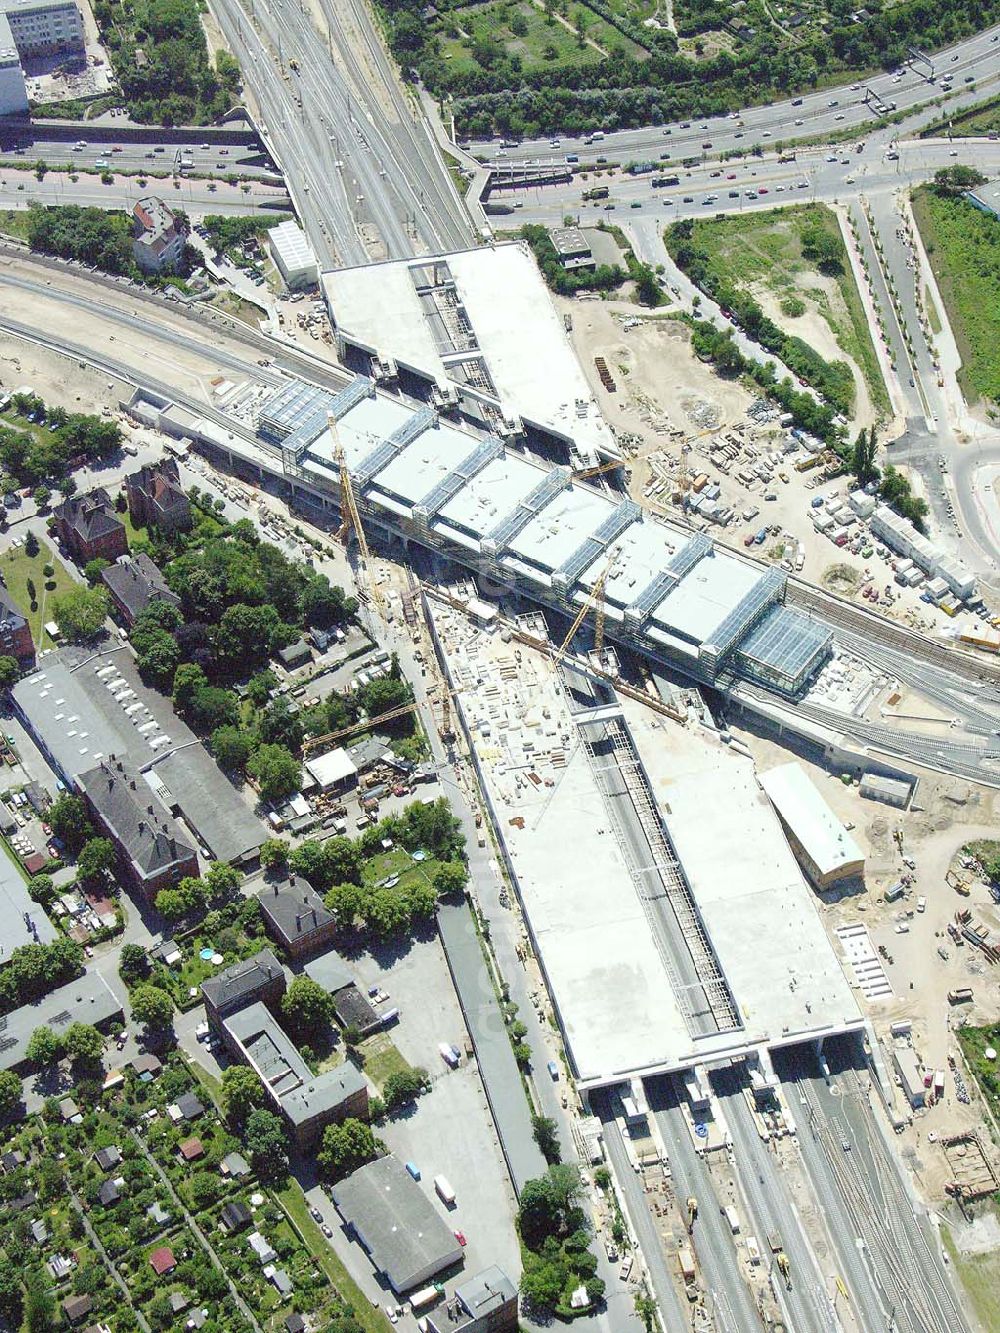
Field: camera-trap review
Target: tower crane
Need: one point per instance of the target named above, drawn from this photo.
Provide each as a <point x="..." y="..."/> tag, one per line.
<point x="351" y="516"/>
<point x="368" y="724"/>
<point x="593" y="601"/>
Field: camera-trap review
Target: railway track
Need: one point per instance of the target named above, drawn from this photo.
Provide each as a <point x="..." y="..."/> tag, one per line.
<point x="885" y="632"/>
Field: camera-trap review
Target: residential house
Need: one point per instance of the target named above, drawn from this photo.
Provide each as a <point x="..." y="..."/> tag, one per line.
<point x="15" y="632"/>
<point x="235" y="1166"/>
<point x="76" y="1308"/>
<point x="11" y="1161"/>
<point x="236" y="1215"/>
<point x="158" y="240"/>
<point x="295" y="1323"/>
<point x="296" y="917"/>
<point x="191" y="1149"/>
<point x="110" y="1192"/>
<point x="282" y="1282"/>
<point x="39" y="1231"/>
<point x="162" y="1261"/>
<point x="106" y="1158"/>
<point x="133" y="583"/>
<point x="261" y="1248"/>
<point x="152" y="853"/>
<point x="189" y="1106"/>
<point x="156" y="497"/>
<point x="257" y="980"/>
<point x="88" y="527"/>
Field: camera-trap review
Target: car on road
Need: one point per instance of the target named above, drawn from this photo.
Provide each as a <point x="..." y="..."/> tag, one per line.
<point x="689" y="199"/>
<point x="763" y="189"/>
<point x="315" y="1214"/>
<point x="800" y="122"/>
<point x="327" y="1231"/>
<point x="839" y="115"/>
<point x="833" y="102"/>
<point x="460" y="1237"/>
<point x="731" y="176"/>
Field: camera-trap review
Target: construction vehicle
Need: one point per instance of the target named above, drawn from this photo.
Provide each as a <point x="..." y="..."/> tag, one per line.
<point x="784" y="1268"/>
<point x="351" y="517"/>
<point x="692" y="1212"/>
<point x="584" y="474"/>
<point x="956" y="881"/>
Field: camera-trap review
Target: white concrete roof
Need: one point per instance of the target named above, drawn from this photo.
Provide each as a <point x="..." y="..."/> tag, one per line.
<point x="289" y="241"/>
<point x="825" y="840"/>
<point x="495" y="492"/>
<point x="758" y="909"/>
<point x="560" y="528"/>
<point x="703" y="599"/>
<point x="425" y="462"/>
<point x="642" y="551"/>
<point x="332" y="767"/>
<point x="537" y="378"/>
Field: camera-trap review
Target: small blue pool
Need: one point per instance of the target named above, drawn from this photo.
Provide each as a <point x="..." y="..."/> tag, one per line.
<point x="207" y="954"/>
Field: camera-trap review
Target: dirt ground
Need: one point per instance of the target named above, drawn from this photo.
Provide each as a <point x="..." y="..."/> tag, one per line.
<point x="945" y="814"/>
<point x="55" y="379"/>
<point x="813" y="329"/>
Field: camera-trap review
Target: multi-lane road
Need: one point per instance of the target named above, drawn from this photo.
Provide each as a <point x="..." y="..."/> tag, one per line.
<point x="820" y="115"/>
<point x="363" y="172"/>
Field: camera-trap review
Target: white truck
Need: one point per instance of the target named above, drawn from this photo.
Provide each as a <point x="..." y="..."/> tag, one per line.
<point x="444" y="1191"/>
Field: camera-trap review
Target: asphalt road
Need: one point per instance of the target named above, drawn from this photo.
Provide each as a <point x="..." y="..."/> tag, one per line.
<point x="20" y="188"/>
<point x="818" y="114"/>
<point x="151" y="155"/>
<point x="360" y="186"/>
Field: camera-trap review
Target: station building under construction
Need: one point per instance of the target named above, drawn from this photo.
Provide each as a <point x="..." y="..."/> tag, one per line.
<point x="669" y="592"/>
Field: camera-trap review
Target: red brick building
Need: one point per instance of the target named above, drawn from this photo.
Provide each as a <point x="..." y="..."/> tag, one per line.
<point x="15" y="632"/>
<point x="88" y="527"/>
<point x="156" y="497"/>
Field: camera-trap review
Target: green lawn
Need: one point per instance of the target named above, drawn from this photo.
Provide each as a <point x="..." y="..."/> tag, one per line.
<point x="399" y="862"/>
<point x="766" y="249"/>
<point x="381" y="1059"/>
<point x="371" y="1319"/>
<point x="540" y="44"/>
<point x="963" y="246"/>
<point x="14" y="222"/>
<point x="17" y="568"/>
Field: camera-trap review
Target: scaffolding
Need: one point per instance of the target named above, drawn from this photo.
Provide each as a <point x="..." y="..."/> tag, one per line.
<point x="592" y="547"/>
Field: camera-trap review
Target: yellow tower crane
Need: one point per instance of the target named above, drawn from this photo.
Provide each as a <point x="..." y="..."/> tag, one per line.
<point x="351" y="516"/>
<point x="593" y="601"/>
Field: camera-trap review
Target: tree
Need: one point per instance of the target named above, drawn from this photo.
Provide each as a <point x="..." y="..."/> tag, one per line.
<point x="824" y="249"/>
<point x="232" y="747"/>
<point x="151" y="1006"/>
<point x="44" y="1047"/>
<point x="133" y="964"/>
<point x="42" y="889"/>
<point x="280" y="726"/>
<point x="39" y="1307"/>
<point x="345" y="1147"/>
<point x="41" y="495"/>
<point x="188" y="679"/>
<point x="69" y="821"/>
<point x="93" y="568"/>
<point x="9" y="671"/>
<point x="80" y="613"/>
<point x="259" y="687"/>
<point x="157" y="655"/>
<point x="863" y="457"/>
<point x="404" y="1086"/>
<point x="11" y="1296"/>
<point x="242" y="1094"/>
<point x="541" y="1284"/>
<point x="31" y="547"/>
<point x="10" y="1091"/>
<point x="274" y="854"/>
<point x="546" y="1203"/>
<point x="306" y="1006"/>
<point x="222" y="882"/>
<point x="267" y="1143"/>
<point x="212" y="707"/>
<point x="96" y="858"/>
<point x="952" y="181"/>
<point x="83" y="1042"/>
<point x="450" y="878"/>
<point x="276" y="771"/>
<point x="546" y="1135"/>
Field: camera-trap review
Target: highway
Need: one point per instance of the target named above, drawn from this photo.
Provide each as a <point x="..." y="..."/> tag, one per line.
<point x="814" y="115"/>
<point x="853" y="1167"/>
<point x="20" y="188"/>
<point x="731" y="1303"/>
<point x="361" y="193"/>
<point x="805" y="1300"/>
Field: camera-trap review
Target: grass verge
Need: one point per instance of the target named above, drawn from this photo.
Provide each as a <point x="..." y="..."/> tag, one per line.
<point x="293" y="1201"/>
<point x="963" y="249"/>
<point x="980" y="1276"/>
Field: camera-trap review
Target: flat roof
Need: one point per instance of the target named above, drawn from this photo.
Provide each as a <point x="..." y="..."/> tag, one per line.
<point x="823" y="836"/>
<point x="421" y="465"/>
<point x="22" y="921"/>
<point x="405" y="1236"/>
<point x="609" y="983"/>
<point x="488" y="497"/>
<point x="89" y="999"/>
<point x="334" y="766"/>
<point x="760" y="913"/>
<point x="562" y="526"/>
<point x="502" y="295"/>
<point x="704" y="597"/>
